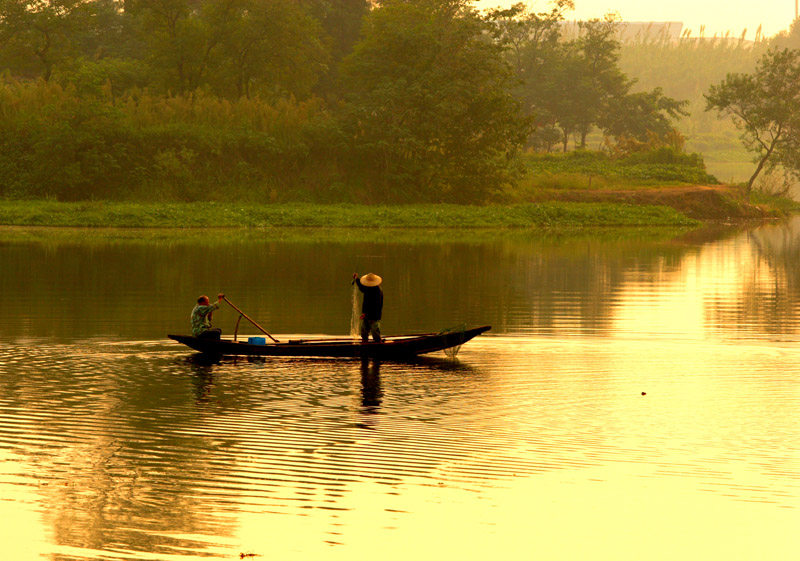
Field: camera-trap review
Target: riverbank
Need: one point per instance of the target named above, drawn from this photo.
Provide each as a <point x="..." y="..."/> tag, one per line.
<point x="654" y="206"/>
<point x="545" y="215"/>
<point x="700" y="202"/>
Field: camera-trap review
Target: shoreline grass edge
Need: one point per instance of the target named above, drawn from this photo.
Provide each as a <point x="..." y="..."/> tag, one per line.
<point x="103" y="214"/>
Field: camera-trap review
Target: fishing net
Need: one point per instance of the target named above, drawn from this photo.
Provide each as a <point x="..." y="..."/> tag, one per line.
<point x="451" y="352"/>
<point x="355" y="316"/>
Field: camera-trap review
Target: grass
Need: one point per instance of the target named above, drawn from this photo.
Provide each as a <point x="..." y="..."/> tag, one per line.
<point x="298" y="215"/>
<point x="596" y="170"/>
<point x="783" y="205"/>
<point x="223" y="237"/>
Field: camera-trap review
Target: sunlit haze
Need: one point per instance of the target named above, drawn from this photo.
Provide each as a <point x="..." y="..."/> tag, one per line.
<point x="716" y="16"/>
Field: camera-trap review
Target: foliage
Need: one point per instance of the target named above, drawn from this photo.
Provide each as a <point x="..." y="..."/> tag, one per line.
<point x="765" y="106"/>
<point x="772" y="190"/>
<point x="684" y="69"/>
<point x="277" y="100"/>
<point x="642" y="116"/>
<point x="789" y="39"/>
<point x="54" y="143"/>
<point x="36" y="33"/>
<point x="429" y="102"/>
<point x="572" y="85"/>
<point x="529" y="36"/>
<point x="661" y="166"/>
<point x="341" y="23"/>
<point x="199" y="215"/>
<point x="595" y="80"/>
<point x="238" y="47"/>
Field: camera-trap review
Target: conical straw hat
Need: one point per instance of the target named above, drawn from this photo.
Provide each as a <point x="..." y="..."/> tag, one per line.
<point x="371" y="279"/>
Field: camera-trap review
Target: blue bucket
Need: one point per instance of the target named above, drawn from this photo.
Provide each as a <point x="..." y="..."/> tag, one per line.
<point x="256" y="341"/>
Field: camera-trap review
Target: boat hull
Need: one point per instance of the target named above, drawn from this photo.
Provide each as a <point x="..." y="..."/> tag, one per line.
<point x="398" y="347"/>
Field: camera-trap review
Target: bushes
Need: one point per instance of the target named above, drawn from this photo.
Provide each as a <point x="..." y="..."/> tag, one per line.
<point x="51" y="145"/>
<point x="57" y="144"/>
<point x="62" y="143"/>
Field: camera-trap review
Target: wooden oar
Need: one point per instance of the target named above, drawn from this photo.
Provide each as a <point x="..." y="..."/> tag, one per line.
<point x="251" y="320"/>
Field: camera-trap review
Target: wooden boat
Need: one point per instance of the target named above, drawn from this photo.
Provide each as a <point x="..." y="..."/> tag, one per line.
<point x="396" y="347"/>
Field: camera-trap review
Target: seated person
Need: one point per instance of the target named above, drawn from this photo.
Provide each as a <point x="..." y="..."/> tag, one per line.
<point x="201" y="318"/>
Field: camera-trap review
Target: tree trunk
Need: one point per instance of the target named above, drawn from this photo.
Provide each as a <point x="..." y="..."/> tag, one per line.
<point x="760" y="166"/>
<point x="753" y="177"/>
<point x="584" y="134"/>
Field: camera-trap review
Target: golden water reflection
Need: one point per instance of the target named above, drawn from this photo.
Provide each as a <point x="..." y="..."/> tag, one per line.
<point x="636" y="399"/>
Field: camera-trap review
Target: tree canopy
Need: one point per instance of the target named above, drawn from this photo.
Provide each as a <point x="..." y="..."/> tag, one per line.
<point x="429" y="95"/>
<point x="765" y="106"/>
<point x="409" y="100"/>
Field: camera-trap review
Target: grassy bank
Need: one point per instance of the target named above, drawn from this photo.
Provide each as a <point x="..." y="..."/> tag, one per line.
<point x="212" y="215"/>
<point x="587" y="170"/>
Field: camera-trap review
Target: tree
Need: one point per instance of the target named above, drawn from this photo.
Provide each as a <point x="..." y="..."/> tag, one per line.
<point x="341" y="21"/>
<point x="237" y="47"/>
<point x="179" y="40"/>
<point x="789" y="39"/>
<point x="637" y="116"/>
<point x="36" y="34"/>
<point x="535" y="50"/>
<point x="103" y="29"/>
<point x="271" y="47"/>
<point x="568" y="86"/>
<point x="765" y="106"/>
<point x="595" y="77"/>
<point x="429" y="103"/>
<point x="578" y="81"/>
<point x="526" y="32"/>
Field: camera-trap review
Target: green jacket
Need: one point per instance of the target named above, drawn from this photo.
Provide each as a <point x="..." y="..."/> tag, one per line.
<point x="201" y="320"/>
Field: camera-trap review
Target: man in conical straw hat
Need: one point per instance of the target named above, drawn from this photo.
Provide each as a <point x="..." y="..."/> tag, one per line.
<point x="372" y="307"/>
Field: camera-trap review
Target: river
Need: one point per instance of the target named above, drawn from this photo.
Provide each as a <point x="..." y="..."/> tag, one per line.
<point x="638" y="397"/>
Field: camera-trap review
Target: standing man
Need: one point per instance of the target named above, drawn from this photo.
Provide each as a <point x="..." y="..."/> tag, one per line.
<point x="372" y="307"/>
<point x="201" y="318"/>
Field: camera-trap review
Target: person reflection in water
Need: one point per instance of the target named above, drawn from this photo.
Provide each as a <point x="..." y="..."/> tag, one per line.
<point x="371" y="392"/>
<point x="201" y="318"/>
<point x="372" y="307"/>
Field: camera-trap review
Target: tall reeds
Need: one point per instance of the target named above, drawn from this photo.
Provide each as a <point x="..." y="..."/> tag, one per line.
<point x="686" y="67"/>
<point x="57" y="144"/>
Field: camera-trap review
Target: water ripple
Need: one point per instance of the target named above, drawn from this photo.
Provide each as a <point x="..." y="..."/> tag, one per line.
<point x="136" y="431"/>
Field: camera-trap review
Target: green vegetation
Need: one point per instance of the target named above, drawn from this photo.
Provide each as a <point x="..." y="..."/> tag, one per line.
<point x="348" y="102"/>
<point x="57" y="144"/>
<point x="765" y="106"/>
<point x="574" y="85"/>
<point x="596" y="170"/>
<point x="686" y="69"/>
<point x="205" y="215"/>
<point x="140" y="147"/>
<point x="779" y="204"/>
<point x="242" y="100"/>
<point x="56" y="237"/>
<point x="429" y="105"/>
<point x="275" y="101"/>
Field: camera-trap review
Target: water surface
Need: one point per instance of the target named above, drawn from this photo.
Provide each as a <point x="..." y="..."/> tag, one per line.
<point x="637" y="398"/>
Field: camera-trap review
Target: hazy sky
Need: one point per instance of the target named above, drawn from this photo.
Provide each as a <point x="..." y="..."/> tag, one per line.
<point x="718" y="16"/>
